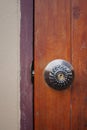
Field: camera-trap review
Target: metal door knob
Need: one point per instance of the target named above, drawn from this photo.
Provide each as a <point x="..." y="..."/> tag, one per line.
<point x="59" y="74"/>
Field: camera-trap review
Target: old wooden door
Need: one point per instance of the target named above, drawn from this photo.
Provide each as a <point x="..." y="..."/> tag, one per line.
<point x="60" y="32"/>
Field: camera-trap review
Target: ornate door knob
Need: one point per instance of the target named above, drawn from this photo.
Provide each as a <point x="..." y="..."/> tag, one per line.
<point x="59" y="74"/>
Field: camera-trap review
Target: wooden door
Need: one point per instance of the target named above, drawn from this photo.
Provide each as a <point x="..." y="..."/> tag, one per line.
<point x="60" y="32"/>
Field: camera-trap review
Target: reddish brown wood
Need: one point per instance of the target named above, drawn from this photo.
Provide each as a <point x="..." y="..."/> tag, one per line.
<point x="52" y="41"/>
<point x="79" y="59"/>
<point x="26" y="89"/>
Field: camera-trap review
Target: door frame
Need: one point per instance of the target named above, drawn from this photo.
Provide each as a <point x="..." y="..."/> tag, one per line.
<point x="26" y="57"/>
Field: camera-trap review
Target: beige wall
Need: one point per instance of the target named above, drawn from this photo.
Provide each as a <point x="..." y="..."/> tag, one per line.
<point x="9" y="65"/>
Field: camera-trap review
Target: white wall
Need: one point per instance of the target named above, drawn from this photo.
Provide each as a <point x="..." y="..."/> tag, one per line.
<point x="9" y="64"/>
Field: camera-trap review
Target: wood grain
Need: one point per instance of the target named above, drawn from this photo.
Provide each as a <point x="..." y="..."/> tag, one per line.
<point x="26" y="57"/>
<point x="52" y="41"/>
<point x="79" y="59"/>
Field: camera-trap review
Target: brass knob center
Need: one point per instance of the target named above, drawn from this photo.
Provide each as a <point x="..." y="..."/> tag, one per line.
<point x="61" y="77"/>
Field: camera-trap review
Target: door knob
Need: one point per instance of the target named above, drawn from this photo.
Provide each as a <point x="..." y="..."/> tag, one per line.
<point x="59" y="74"/>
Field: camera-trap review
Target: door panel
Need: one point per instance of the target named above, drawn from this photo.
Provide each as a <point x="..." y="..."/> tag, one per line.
<point x="60" y="33"/>
<point x="79" y="59"/>
<point x="52" y="41"/>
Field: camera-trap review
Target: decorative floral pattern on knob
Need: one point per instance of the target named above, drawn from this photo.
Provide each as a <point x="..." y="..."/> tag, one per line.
<point x="59" y="74"/>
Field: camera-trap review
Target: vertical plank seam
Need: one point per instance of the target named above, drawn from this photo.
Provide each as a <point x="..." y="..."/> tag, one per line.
<point x="71" y="42"/>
